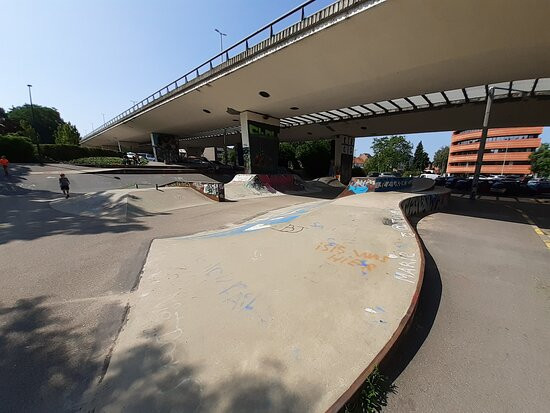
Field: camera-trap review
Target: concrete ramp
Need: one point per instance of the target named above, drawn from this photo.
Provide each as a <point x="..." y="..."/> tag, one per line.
<point x="244" y="186"/>
<point x="165" y="199"/>
<point x="330" y="181"/>
<point x="117" y="204"/>
<point x="288" y="312"/>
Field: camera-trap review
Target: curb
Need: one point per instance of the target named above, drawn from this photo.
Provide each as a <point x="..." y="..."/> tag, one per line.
<point x="443" y="198"/>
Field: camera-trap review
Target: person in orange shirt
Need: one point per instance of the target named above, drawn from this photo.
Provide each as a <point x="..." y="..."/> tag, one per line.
<point x="4" y="162"/>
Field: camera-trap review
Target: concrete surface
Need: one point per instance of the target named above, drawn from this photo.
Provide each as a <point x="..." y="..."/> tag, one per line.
<point x="482" y="330"/>
<point x="65" y="280"/>
<point x="282" y="313"/>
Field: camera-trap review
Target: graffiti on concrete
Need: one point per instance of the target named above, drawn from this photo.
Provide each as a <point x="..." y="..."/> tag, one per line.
<point x="407" y="267"/>
<point x="380" y="184"/>
<point x="340" y="254"/>
<point x="212" y="190"/>
<point x="233" y="292"/>
<point x="422" y="204"/>
<point x="399" y="223"/>
<point x="283" y="182"/>
<point x="359" y="186"/>
<point x="289" y="228"/>
<point x="390" y="183"/>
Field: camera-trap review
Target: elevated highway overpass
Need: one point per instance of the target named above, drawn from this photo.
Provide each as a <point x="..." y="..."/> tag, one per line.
<point x="356" y="68"/>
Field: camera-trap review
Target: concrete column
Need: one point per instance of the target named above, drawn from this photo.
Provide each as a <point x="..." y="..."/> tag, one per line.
<point x="154" y="143"/>
<point x="165" y="147"/>
<point x="343" y="157"/>
<point x="260" y="138"/>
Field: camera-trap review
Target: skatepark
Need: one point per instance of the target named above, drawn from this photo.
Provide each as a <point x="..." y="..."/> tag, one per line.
<point x="266" y="298"/>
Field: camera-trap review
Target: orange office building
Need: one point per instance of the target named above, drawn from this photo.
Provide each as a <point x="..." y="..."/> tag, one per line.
<point x="506" y="152"/>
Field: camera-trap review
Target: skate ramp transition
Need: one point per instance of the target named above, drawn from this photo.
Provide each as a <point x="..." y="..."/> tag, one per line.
<point x="287" y="312"/>
<point x="117" y="204"/>
<point x="244" y="186"/>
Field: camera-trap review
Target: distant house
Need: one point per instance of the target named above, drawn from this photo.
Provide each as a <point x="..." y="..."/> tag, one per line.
<point x="360" y="160"/>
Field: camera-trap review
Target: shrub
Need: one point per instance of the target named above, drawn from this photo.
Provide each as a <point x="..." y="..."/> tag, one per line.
<point x="16" y="148"/>
<point x="70" y="152"/>
<point x="103" y="161"/>
<point x="99" y="161"/>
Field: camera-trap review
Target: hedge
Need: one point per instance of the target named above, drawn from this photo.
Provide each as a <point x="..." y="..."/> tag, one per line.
<point x="69" y="152"/>
<point x="103" y="161"/>
<point x="16" y="148"/>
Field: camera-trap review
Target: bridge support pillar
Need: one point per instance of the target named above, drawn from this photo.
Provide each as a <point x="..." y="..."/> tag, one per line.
<point x="342" y="147"/>
<point x="165" y="147"/>
<point x="260" y="139"/>
<point x="154" y="144"/>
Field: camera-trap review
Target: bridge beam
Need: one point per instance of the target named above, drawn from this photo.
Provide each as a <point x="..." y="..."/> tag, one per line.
<point x="260" y="140"/>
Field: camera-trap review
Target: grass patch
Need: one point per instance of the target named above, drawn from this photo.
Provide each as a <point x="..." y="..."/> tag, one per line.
<point x="373" y="396"/>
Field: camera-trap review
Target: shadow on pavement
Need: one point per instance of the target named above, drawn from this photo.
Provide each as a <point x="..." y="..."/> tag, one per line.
<point x="428" y="304"/>
<point x="27" y="215"/>
<point x="46" y="363"/>
<point x="146" y="378"/>
<point x="501" y="210"/>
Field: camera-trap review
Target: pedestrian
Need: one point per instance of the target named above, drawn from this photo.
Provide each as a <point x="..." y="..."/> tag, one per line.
<point x="64" y="184"/>
<point x="4" y="162"/>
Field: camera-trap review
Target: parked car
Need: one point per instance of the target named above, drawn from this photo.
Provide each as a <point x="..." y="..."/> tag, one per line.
<point x="440" y="181"/>
<point x="430" y="176"/>
<point x="505" y="187"/>
<point x="539" y="186"/>
<point x="464" y="184"/>
<point x="146" y="156"/>
<point x="451" y="182"/>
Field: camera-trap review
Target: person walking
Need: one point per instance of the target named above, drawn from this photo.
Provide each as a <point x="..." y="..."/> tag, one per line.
<point x="4" y="162"/>
<point x="64" y="184"/>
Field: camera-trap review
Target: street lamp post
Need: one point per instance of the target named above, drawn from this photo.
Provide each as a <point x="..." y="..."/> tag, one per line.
<point x="33" y="124"/>
<point x="221" y="40"/>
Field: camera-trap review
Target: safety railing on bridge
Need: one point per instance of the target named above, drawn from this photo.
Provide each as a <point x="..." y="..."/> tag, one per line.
<point x="270" y="30"/>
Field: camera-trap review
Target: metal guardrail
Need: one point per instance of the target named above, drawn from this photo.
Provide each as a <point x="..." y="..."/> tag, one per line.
<point x="213" y="62"/>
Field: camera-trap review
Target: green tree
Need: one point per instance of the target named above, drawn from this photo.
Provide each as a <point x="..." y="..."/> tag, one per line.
<point x="441" y="157"/>
<point x="314" y="156"/>
<point x="287" y="154"/>
<point x="67" y="134"/>
<point x="540" y="160"/>
<point x="420" y="158"/>
<point x="389" y="153"/>
<point x="27" y="131"/>
<point x="8" y="126"/>
<point x="46" y="120"/>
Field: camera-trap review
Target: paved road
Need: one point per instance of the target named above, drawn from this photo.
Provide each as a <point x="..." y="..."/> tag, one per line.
<point x="484" y="314"/>
<point x="65" y="279"/>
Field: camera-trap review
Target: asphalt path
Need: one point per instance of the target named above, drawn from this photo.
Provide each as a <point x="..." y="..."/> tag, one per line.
<point x="65" y="279"/>
<point x="480" y="340"/>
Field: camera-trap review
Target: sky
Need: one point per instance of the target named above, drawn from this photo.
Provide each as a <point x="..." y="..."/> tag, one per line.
<point x="91" y="59"/>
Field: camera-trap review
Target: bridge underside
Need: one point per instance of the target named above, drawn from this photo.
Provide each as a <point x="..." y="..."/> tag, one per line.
<point x="375" y="51"/>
